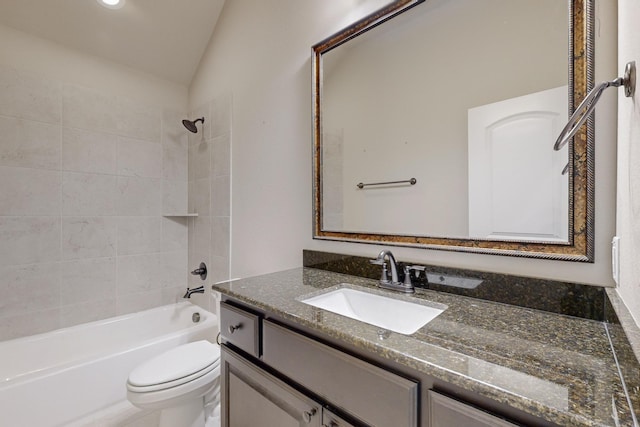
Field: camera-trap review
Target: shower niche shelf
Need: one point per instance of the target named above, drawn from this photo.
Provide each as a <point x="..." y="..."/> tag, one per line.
<point x="179" y="214"/>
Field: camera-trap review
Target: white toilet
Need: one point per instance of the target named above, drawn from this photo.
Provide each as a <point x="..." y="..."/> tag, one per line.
<point x="182" y="382"/>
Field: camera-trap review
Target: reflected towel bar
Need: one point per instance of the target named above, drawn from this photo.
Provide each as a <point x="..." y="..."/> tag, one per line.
<point x="411" y="181"/>
<point x="588" y="104"/>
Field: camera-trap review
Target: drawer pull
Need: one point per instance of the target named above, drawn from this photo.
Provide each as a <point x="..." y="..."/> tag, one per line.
<point x="233" y="328"/>
<point x="306" y="415"/>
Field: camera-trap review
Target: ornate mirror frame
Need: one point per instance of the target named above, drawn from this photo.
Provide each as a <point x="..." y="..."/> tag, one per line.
<point x="581" y="151"/>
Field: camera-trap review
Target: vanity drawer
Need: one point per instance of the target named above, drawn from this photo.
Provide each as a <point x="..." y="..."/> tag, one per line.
<point x="240" y="328"/>
<point x="371" y="394"/>
<point x="445" y="411"/>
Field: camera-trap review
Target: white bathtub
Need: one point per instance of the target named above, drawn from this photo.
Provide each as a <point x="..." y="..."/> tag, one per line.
<point x="54" y="378"/>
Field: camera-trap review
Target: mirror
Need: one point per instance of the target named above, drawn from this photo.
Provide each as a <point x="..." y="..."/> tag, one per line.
<point x="434" y="124"/>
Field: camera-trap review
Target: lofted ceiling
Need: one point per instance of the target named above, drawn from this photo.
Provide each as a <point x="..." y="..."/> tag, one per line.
<point x="163" y="37"/>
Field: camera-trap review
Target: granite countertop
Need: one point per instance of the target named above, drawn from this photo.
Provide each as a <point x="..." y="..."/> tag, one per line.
<point x="555" y="367"/>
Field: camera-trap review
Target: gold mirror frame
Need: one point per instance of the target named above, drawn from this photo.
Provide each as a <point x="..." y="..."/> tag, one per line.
<point x="581" y="151"/>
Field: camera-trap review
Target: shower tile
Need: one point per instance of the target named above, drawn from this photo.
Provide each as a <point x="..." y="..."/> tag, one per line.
<point x="220" y="236"/>
<point x="33" y="239"/>
<point x="87" y="151"/>
<point x="199" y="158"/>
<point x="175" y="270"/>
<point x="174" y="197"/>
<point x="87" y="109"/>
<point x="199" y="238"/>
<point x="174" y="161"/>
<point x="145" y="300"/>
<point x="220" y="196"/>
<point x="219" y="268"/>
<point x="27" y="191"/>
<point x="30" y="144"/>
<point x="27" y="96"/>
<point x="139" y="196"/>
<point x="88" y="237"/>
<point x="87" y="312"/>
<point x="29" y="288"/>
<point x="201" y="300"/>
<point x="139" y="273"/>
<point x="138" y="157"/>
<point x="88" y="280"/>
<point x="138" y="235"/>
<point x="199" y="245"/>
<point x="200" y="197"/>
<point x="175" y="234"/>
<point x="221" y="155"/>
<point x="30" y="323"/>
<point x="89" y="194"/>
<point x="175" y="147"/>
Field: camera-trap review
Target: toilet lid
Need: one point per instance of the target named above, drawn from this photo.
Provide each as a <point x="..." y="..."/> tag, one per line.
<point x="179" y="362"/>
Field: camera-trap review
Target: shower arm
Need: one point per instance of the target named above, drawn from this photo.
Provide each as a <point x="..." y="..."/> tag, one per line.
<point x="588" y="104"/>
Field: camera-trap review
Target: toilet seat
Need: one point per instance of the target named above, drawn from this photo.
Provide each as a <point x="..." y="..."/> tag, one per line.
<point x="175" y="367"/>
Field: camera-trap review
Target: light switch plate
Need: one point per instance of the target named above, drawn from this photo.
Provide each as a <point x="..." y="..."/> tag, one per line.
<point x="615" y="259"/>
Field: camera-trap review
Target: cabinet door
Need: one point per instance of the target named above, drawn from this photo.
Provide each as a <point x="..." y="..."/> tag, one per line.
<point x="366" y="392"/>
<point x="447" y="412"/>
<point x="252" y="397"/>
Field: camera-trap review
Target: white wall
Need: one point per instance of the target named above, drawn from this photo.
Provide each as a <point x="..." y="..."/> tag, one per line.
<point x="260" y="51"/>
<point x="628" y="203"/>
<point x="91" y="156"/>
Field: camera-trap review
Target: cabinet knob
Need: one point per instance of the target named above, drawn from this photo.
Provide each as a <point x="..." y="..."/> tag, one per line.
<point x="306" y="415"/>
<point x="233" y="328"/>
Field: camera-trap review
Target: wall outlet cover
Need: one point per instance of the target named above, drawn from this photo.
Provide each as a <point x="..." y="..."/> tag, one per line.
<point x="615" y="259"/>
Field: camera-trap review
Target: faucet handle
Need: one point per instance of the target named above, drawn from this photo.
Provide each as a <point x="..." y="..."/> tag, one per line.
<point x="201" y="271"/>
<point x="385" y="274"/>
<point x="407" y="273"/>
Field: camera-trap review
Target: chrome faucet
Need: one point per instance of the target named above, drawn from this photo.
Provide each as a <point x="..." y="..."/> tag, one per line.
<point x="394" y="283"/>
<point x="198" y="290"/>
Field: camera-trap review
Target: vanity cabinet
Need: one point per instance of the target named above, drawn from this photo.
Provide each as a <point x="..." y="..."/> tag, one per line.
<point x="252" y="397"/>
<point x="273" y="374"/>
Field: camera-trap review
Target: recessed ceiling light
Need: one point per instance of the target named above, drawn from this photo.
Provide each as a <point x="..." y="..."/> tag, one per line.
<point x="111" y="4"/>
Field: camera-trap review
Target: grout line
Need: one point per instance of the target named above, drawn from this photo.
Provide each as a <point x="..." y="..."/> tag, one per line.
<point x="624" y="384"/>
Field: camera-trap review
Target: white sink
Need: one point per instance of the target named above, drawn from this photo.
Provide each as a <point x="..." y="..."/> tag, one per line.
<point x="393" y="314"/>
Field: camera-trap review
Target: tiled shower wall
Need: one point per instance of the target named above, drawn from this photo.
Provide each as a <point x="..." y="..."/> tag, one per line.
<point x="85" y="179"/>
<point x="210" y="194"/>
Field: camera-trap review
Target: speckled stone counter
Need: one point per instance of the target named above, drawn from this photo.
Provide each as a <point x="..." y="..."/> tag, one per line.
<point x="555" y="367"/>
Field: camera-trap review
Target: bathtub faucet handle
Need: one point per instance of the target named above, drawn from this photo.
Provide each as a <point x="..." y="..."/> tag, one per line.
<point x="202" y="271"/>
<point x="198" y="290"/>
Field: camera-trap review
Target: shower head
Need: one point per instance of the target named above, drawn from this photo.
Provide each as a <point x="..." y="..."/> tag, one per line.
<point x="191" y="124"/>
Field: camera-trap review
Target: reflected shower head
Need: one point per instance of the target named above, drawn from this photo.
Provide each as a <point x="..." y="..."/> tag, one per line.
<point x="191" y="124"/>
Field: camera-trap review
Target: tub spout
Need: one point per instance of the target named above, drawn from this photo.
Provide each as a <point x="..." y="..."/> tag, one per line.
<point x="198" y="290"/>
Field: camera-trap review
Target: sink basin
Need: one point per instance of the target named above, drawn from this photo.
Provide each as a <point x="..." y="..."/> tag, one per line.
<point x="393" y="314"/>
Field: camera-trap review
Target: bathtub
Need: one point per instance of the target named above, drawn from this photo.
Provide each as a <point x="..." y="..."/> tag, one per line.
<point x="54" y="378"/>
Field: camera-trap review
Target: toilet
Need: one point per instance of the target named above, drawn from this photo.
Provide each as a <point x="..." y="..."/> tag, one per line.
<point x="182" y="382"/>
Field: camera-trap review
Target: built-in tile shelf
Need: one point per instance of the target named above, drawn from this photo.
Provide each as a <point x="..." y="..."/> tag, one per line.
<point x="179" y="215"/>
